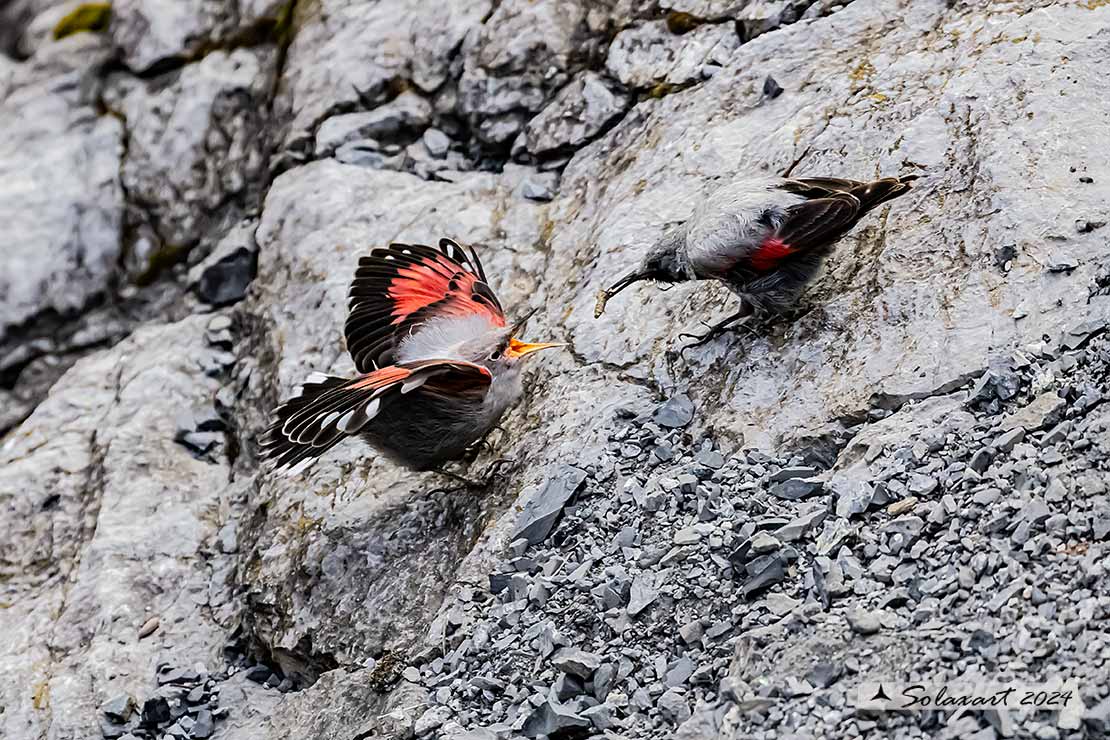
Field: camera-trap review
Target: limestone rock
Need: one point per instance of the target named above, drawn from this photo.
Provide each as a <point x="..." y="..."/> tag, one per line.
<point x="60" y="199"/>
<point x="649" y="54"/>
<point x="150" y="32"/>
<point x="578" y="113"/>
<point x="195" y="150"/>
<point x="108" y="527"/>
<point x="331" y="66"/>
<point x="359" y="593"/>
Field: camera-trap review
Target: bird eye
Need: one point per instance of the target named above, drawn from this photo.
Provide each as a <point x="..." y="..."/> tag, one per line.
<point x="495" y="355"/>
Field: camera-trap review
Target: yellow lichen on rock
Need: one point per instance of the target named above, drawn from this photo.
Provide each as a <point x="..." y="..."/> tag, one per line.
<point x="86" y="17"/>
<point x="40" y="699"/>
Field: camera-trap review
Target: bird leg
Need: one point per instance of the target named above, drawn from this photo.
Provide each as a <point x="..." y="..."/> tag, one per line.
<point x="717" y="329"/>
<point x="467" y="482"/>
<point x="497" y="469"/>
<point x="470" y="454"/>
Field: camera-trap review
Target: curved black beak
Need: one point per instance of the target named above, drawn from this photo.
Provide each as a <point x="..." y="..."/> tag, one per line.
<point x="603" y="296"/>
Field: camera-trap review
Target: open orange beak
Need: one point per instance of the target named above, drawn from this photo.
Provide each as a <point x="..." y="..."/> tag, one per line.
<point x="519" y="349"/>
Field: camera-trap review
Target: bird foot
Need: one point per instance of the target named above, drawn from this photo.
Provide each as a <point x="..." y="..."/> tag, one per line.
<point x="466" y="482"/>
<point x="497" y="470"/>
<point x="470" y="454"/>
<point x="500" y="468"/>
<point x="714" y="331"/>
<point x="700" y="339"/>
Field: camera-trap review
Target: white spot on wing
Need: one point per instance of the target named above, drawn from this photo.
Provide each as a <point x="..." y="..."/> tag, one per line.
<point x="356" y="418"/>
<point x="325" y="428"/>
<point x="300" y="467"/>
<point x="344" y="423"/>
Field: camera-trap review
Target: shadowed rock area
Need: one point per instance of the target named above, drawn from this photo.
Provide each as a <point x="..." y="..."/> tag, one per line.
<point x="905" y="479"/>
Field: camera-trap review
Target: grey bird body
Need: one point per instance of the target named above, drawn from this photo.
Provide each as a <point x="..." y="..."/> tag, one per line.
<point x="763" y="237"/>
<point x="435" y="428"/>
<point x="433" y="431"/>
<point x="731" y="226"/>
<point x="439" y="365"/>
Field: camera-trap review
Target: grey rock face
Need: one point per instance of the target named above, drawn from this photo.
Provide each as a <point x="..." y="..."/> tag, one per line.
<point x="60" y="198"/>
<point x="578" y="113"/>
<point x="946" y="511"/>
<point x="649" y="54"/>
<point x="408" y="111"/>
<point x="92" y="522"/>
<point x="330" y="65"/>
<point x="516" y="62"/>
<point x="195" y="152"/>
<point x="152" y="31"/>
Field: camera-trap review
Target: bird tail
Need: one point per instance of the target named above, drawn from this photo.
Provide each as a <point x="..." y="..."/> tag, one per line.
<point x="877" y="192"/>
<point x="304" y="427"/>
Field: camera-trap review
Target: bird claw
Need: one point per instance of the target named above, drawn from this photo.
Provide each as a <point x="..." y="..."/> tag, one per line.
<point x="470" y="454"/>
<point x="497" y="470"/>
<point x="466" y="482"/>
<point x="712" y="331"/>
<point x="700" y="339"/>
<point x="500" y="468"/>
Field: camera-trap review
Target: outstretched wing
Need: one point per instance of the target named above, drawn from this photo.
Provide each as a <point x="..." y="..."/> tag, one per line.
<point x="327" y="409"/>
<point x="397" y="288"/>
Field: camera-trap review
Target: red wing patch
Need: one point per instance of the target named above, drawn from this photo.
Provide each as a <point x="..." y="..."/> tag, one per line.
<point x="465" y="374"/>
<point x="400" y="287"/>
<point x="770" y="254"/>
<point x="380" y="378"/>
<point x="437" y="281"/>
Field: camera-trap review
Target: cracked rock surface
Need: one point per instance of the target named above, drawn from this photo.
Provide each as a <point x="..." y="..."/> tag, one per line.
<point x="195" y="148"/>
<point x="60" y="191"/>
<point x="153" y="32"/>
<point x="905" y="479"/>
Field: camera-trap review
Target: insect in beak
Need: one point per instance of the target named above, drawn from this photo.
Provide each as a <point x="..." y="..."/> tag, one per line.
<point x="603" y="296"/>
